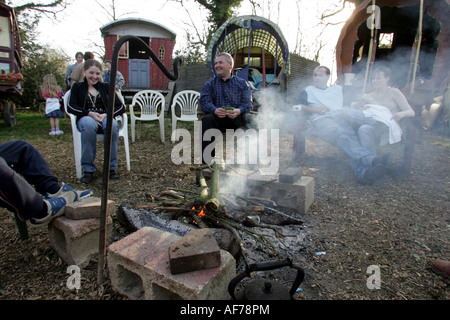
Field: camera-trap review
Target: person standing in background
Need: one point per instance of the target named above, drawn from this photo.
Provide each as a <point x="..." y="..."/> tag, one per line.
<point x="79" y="58"/>
<point x="52" y="94"/>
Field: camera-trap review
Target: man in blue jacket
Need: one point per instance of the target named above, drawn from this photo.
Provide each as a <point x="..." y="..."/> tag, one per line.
<point x="225" y="99"/>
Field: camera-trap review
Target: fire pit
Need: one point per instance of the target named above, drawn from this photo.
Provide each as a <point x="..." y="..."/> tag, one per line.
<point x="240" y="207"/>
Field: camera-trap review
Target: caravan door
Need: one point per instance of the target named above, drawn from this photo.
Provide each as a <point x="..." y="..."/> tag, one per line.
<point x="139" y="75"/>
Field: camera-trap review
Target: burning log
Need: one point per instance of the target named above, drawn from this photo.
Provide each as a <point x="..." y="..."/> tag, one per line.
<point x="136" y="219"/>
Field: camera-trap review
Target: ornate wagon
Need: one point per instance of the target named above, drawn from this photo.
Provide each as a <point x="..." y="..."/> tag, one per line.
<point x="10" y="63"/>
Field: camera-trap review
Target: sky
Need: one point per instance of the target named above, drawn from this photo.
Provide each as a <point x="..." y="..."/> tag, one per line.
<point x="77" y="28"/>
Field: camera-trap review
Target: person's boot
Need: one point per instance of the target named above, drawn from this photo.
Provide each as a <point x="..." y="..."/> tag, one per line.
<point x="374" y="174"/>
<point x="441" y="267"/>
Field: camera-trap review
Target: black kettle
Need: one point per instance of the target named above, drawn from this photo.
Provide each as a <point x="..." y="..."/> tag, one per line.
<point x="263" y="289"/>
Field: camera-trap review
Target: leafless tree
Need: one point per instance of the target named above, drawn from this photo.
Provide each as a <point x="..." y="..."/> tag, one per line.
<point x="50" y="8"/>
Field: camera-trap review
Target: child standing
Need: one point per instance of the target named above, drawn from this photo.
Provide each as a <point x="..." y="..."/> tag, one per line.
<point x="52" y="93"/>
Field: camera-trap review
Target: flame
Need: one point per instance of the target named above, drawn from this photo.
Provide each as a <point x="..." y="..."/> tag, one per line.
<point x="201" y="213"/>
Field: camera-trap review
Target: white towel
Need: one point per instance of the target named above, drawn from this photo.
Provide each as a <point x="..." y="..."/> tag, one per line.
<point x="384" y="115"/>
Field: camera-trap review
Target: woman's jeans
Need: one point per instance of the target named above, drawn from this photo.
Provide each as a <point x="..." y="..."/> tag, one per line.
<point x="89" y="129"/>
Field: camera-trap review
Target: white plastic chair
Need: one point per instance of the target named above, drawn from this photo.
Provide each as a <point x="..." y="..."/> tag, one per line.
<point x="123" y="132"/>
<point x="184" y="108"/>
<point x="151" y="104"/>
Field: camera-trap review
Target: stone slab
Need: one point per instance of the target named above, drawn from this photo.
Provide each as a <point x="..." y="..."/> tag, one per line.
<point x="197" y="250"/>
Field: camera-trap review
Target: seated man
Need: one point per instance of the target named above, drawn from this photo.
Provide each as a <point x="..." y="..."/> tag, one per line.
<point x="225" y="99"/>
<point x="335" y="124"/>
<point x="22" y="193"/>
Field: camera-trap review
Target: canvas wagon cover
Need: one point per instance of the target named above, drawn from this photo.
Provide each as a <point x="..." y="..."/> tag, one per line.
<point x="253" y="31"/>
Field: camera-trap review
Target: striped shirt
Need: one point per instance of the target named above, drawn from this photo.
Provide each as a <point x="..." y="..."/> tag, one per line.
<point x="233" y="92"/>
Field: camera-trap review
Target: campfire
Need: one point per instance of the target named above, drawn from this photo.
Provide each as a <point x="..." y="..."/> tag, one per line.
<point x="180" y="211"/>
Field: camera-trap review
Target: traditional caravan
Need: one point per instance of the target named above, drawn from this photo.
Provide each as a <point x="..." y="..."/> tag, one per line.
<point x="139" y="70"/>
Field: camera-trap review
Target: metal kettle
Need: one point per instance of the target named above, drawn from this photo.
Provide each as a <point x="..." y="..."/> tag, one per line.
<point x="263" y="289"/>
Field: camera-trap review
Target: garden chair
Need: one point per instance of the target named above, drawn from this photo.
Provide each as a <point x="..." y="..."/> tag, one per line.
<point x="151" y="105"/>
<point x="184" y="108"/>
<point x="123" y="132"/>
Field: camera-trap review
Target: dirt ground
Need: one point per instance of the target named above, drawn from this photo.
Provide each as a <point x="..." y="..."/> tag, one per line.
<point x="398" y="225"/>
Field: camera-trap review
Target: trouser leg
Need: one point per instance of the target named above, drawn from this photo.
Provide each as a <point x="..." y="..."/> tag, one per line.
<point x="113" y="163"/>
<point x="211" y="121"/>
<point x="297" y="120"/>
<point x="330" y="131"/>
<point x="366" y="134"/>
<point x="26" y="160"/>
<point x="17" y="195"/>
<point x="88" y="128"/>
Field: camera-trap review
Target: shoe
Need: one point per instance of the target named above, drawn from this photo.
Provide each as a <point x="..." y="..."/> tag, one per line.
<point x="383" y="160"/>
<point x="374" y="174"/>
<point x="80" y="195"/>
<point x="52" y="133"/>
<point x="113" y="175"/>
<point x="441" y="267"/>
<point x="87" y="177"/>
<point x="59" y="132"/>
<point x="56" y="208"/>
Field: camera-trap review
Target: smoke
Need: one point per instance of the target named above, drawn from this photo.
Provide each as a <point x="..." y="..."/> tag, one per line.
<point x="261" y="149"/>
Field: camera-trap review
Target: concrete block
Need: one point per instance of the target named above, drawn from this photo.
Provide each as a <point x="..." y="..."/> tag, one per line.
<point x="298" y="195"/>
<point x="290" y="175"/>
<point x="88" y="208"/>
<point x="77" y="241"/>
<point x="197" y="250"/>
<point x="139" y="269"/>
<point x="259" y="184"/>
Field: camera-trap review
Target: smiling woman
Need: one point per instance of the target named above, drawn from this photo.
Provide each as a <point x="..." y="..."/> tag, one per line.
<point x="88" y="101"/>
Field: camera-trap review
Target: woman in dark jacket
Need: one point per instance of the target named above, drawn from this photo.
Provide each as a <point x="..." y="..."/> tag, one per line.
<point x="88" y="101"/>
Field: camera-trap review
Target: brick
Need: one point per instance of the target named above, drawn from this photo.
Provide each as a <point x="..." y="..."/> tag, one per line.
<point x="77" y="241"/>
<point x="290" y="175"/>
<point x="88" y="208"/>
<point x="139" y="269"/>
<point x="197" y="250"/>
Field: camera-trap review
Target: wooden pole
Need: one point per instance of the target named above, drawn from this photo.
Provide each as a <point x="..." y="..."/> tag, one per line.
<point x="370" y="53"/>
<point x="419" y="42"/>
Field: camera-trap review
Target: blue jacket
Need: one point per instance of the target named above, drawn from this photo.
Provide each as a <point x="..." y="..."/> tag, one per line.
<point x="233" y="92"/>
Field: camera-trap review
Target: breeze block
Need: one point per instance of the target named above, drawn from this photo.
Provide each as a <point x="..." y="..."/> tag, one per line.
<point x="139" y="268"/>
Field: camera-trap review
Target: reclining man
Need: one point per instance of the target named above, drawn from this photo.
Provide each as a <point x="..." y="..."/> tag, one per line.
<point x="21" y="168"/>
<point x="334" y="124"/>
